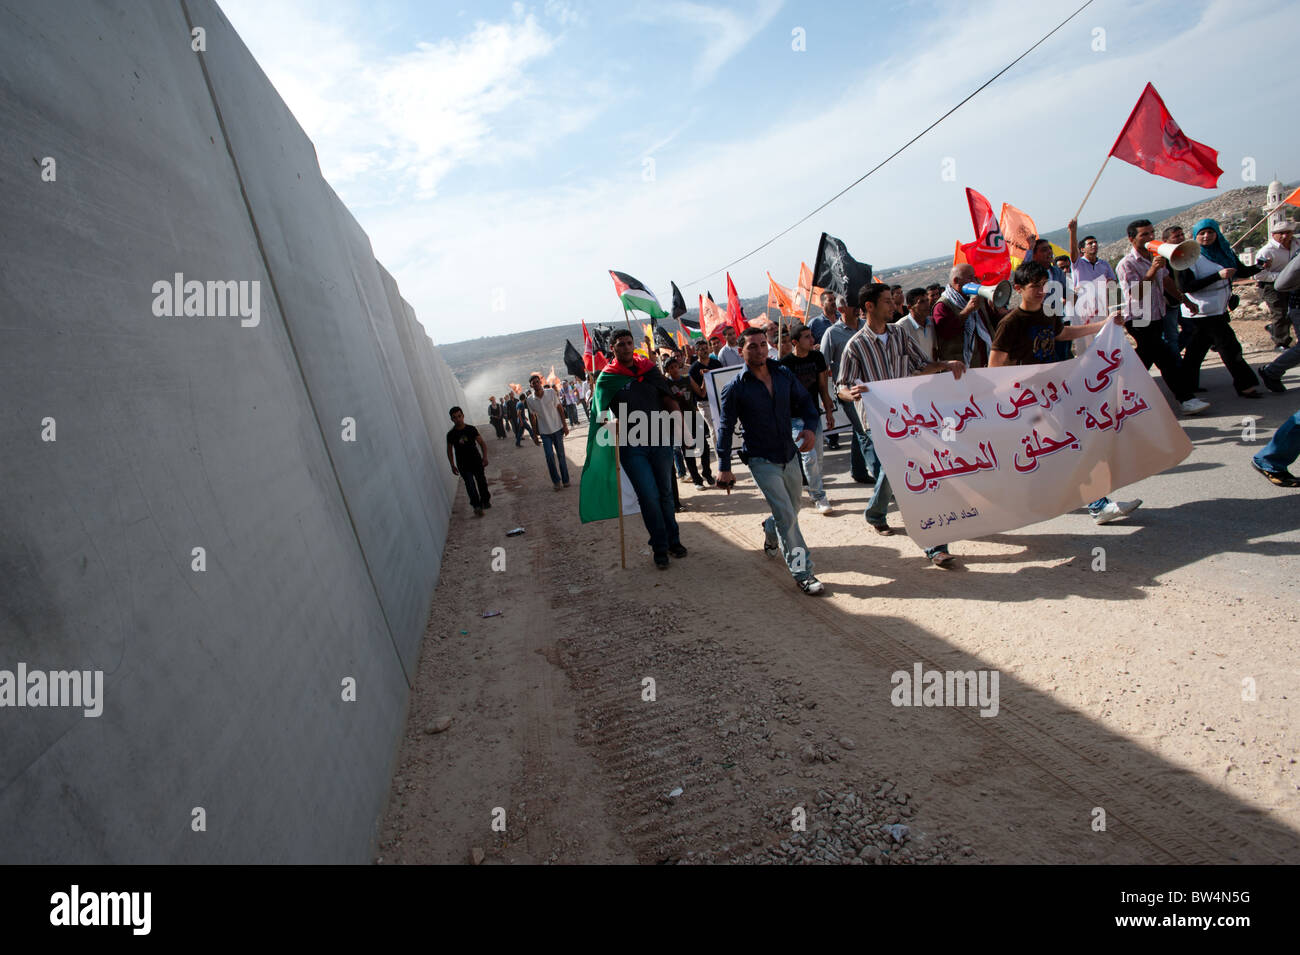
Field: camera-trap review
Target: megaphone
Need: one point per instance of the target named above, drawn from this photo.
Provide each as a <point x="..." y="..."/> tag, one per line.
<point x="1180" y="256"/>
<point x="999" y="295"/>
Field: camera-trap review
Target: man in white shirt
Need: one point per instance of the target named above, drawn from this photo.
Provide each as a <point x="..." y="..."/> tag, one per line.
<point x="544" y="408"/>
<point x="1280" y="249"/>
<point x="729" y="354"/>
<point x="917" y="322"/>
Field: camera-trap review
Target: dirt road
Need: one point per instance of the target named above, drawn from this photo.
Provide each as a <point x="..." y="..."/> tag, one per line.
<point x="1125" y="694"/>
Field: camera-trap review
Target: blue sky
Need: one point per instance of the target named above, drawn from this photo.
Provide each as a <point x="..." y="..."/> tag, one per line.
<point x="503" y="156"/>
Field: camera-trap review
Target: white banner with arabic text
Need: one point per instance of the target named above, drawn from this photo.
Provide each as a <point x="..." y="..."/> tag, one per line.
<point x="1005" y="447"/>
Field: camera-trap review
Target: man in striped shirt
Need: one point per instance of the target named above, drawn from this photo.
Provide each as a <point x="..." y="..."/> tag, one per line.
<point x="878" y="352"/>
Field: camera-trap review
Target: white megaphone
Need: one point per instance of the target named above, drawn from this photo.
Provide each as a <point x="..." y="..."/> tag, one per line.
<point x="1180" y="256"/>
<point x="999" y="295"/>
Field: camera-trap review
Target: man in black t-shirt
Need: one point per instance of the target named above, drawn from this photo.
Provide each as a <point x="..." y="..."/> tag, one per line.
<point x="703" y="362"/>
<point x="810" y="367"/>
<point x="467" y="455"/>
<point x="692" y="431"/>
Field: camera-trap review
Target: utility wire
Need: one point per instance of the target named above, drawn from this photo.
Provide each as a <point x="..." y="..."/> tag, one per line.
<point x="900" y="149"/>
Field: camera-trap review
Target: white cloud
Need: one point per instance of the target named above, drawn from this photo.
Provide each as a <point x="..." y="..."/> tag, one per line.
<point x="410" y="117"/>
<point x="724" y="32"/>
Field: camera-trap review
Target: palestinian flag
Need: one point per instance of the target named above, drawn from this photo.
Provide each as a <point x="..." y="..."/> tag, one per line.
<point x="598" y="491"/>
<point x="635" y="296"/>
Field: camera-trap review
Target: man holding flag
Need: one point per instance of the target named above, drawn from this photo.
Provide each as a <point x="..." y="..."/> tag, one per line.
<point x="635" y="390"/>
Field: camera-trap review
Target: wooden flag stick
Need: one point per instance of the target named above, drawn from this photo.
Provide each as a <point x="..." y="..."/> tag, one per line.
<point x="618" y="476"/>
<point x="1092" y="187"/>
<point x="1258" y="224"/>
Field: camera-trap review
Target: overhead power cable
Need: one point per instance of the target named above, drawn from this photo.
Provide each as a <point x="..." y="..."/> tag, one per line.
<point x="900" y="149"/>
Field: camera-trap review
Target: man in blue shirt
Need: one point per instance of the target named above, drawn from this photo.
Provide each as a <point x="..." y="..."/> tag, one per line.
<point x="764" y="398"/>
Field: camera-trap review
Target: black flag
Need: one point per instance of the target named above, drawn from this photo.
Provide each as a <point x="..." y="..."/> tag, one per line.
<point x="838" y="271"/>
<point x="573" y="360"/>
<point x="664" y="340"/>
<point x="679" y="303"/>
<point x="600" y="335"/>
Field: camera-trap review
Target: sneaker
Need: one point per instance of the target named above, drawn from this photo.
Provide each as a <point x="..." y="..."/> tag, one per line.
<point x="884" y="530"/>
<point x="771" y="546"/>
<point x="941" y="559"/>
<point x="699" y="485"/>
<point x="823" y="506"/>
<point x="478" y="512"/>
<point x="811" y="586"/>
<point x="661" y="559"/>
<point x="1114" y="510"/>
<point x="1283" y="478"/>
<point x="1271" y="382"/>
<point x="565" y="484"/>
<point x="677" y="550"/>
<point x="557" y="487"/>
<point x="1194" y="406"/>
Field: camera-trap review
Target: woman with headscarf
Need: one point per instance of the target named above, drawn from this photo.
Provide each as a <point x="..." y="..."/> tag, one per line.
<point x="1208" y="283"/>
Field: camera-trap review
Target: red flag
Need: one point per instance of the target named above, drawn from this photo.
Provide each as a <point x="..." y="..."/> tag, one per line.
<point x="1151" y="140"/>
<point x="988" y="253"/>
<point x="587" y="349"/>
<point x="711" y="317"/>
<point x="735" y="314"/>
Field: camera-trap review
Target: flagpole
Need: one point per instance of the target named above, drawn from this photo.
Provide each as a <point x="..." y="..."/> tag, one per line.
<point x="1258" y="224"/>
<point x="1092" y="187"/>
<point x="626" y="320"/>
<point x="618" y="477"/>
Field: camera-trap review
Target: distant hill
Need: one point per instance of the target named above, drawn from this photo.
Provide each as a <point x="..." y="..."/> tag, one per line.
<point x="485" y="365"/>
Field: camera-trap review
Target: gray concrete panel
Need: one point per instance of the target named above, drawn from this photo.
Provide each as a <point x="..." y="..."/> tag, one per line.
<point x="305" y="246"/>
<point x="222" y="688"/>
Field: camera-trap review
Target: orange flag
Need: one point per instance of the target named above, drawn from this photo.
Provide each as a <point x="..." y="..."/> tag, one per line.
<point x="778" y="297"/>
<point x="1293" y="199"/>
<point x="1016" y="228"/>
<point x="804" y="292"/>
<point x="712" y="318"/>
<point x="958" y="256"/>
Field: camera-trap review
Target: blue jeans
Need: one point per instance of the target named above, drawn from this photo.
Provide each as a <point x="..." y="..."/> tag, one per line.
<point x="812" y="460"/>
<point x="1282" y="451"/>
<point x="1171" y="328"/>
<point x="782" y="488"/>
<point x="553" y="445"/>
<point x="650" y="469"/>
<point x="863" y="463"/>
<point x="1289" y="358"/>
<point x="877" y="511"/>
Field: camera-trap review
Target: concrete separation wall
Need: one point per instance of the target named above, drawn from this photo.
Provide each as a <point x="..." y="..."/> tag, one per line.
<point x="129" y="439"/>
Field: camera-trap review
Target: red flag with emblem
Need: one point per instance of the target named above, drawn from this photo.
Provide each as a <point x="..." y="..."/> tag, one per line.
<point x="988" y="253"/>
<point x="1151" y="140"/>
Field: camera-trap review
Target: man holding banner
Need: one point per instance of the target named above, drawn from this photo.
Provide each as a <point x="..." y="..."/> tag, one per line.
<point x="1028" y="336"/>
<point x="878" y="352"/>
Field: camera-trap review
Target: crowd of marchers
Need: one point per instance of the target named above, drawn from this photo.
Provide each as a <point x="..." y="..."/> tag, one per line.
<point x="782" y="398"/>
